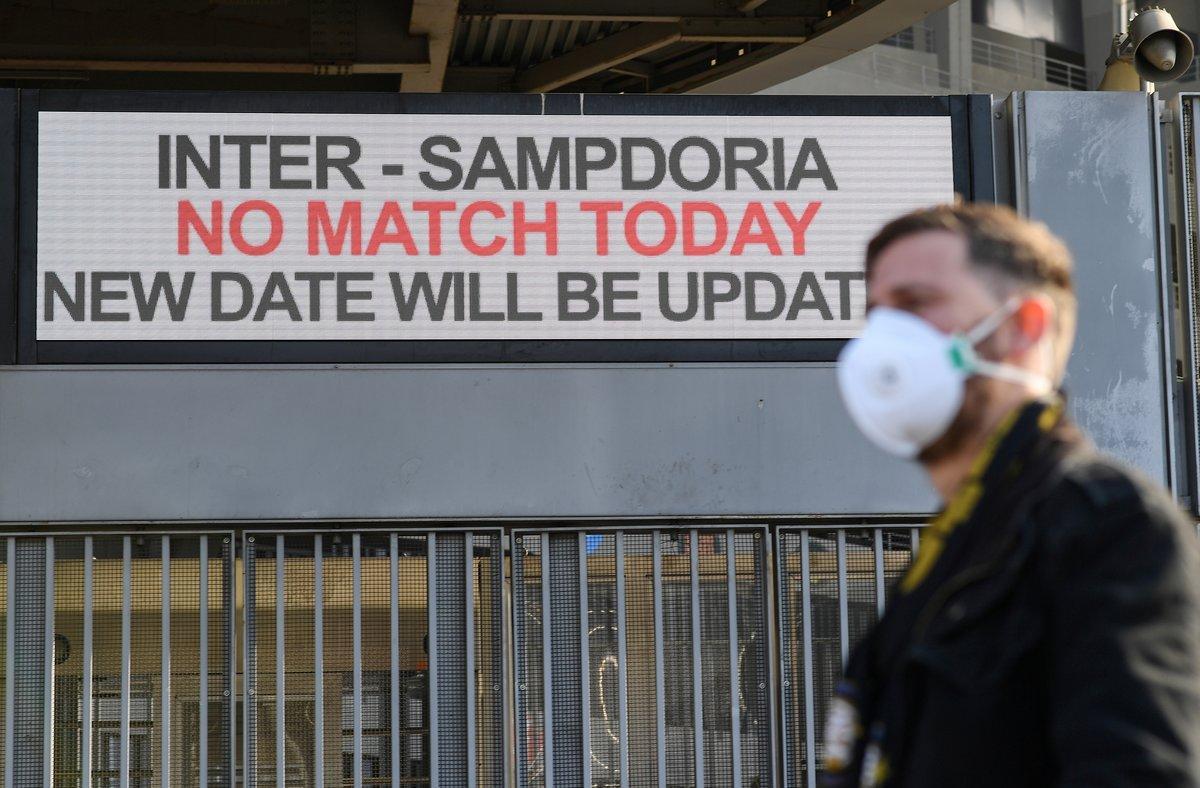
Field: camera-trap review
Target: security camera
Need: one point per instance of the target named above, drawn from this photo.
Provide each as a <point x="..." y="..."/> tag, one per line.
<point x="1154" y="50"/>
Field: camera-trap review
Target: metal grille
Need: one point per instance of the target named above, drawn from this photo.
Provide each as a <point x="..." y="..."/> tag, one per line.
<point x="345" y="634"/>
<point x="652" y="647"/>
<point x="114" y="648"/>
<point x="1189" y="276"/>
<point x="832" y="588"/>
<point x="488" y="570"/>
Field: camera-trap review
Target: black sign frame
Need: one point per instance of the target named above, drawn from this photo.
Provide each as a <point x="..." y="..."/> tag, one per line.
<point x="974" y="179"/>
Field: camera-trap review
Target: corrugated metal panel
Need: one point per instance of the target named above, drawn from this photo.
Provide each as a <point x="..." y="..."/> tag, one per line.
<point x="488" y="41"/>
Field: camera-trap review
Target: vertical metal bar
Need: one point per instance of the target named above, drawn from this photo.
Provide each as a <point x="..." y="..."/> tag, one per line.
<point x="394" y="603"/>
<point x="585" y="671"/>
<point x="48" y="670"/>
<point x="547" y="667"/>
<point x="880" y="590"/>
<point x="318" y="661"/>
<point x="280" y="667"/>
<point x="10" y="664"/>
<point x="770" y="565"/>
<point x="85" y="699"/>
<point x="126" y="623"/>
<point x="431" y="636"/>
<point x="356" y="709"/>
<point x="622" y="669"/>
<point x="165" y="661"/>
<point x="1166" y="303"/>
<point x="697" y="662"/>
<point x="843" y="603"/>
<point x="508" y="686"/>
<point x="810" y="723"/>
<point x="202" y="739"/>
<point x="916" y="541"/>
<point x="735" y="679"/>
<point x="1187" y="141"/>
<point x="229" y="587"/>
<point x="250" y="662"/>
<point x="469" y="641"/>
<point x="660" y="683"/>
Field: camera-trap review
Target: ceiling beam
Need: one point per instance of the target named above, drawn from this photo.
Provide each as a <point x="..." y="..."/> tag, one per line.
<point x="435" y="20"/>
<point x="693" y="74"/>
<point x="479" y="79"/>
<point x="211" y="66"/>
<point x="785" y="30"/>
<point x="628" y="44"/>
<point x="847" y="31"/>
<point x="634" y="68"/>
<point x="597" y="10"/>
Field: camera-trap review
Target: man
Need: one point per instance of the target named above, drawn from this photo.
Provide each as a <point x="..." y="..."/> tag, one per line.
<point x="1048" y="632"/>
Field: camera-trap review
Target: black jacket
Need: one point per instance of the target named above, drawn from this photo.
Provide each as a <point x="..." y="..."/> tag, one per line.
<point x="1056" y="641"/>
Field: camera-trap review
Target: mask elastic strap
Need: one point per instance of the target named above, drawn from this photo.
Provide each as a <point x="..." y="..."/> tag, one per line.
<point x="986" y="327"/>
<point x="1012" y="374"/>
<point x="992" y="369"/>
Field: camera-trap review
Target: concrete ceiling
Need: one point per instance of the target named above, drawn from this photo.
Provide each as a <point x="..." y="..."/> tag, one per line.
<point x="636" y="46"/>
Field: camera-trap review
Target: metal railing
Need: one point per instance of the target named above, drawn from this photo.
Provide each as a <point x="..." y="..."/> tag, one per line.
<point x="899" y="71"/>
<point x="1027" y="64"/>
<point x="919" y="38"/>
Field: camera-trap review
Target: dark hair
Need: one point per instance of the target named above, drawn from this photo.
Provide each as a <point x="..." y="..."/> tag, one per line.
<point x="1011" y="254"/>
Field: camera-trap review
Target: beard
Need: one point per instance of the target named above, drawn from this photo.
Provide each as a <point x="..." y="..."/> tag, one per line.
<point x="967" y="425"/>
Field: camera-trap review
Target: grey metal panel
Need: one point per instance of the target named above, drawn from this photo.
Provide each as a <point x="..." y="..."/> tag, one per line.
<point x="565" y="704"/>
<point x="165" y="663"/>
<point x="697" y="659"/>
<point x="85" y="691"/>
<point x="280" y="667"/>
<point x="47" y="623"/>
<point x="10" y="663"/>
<point x="1089" y="166"/>
<point x="449" y="441"/>
<point x="202" y="605"/>
<point x="451" y="661"/>
<point x="431" y="647"/>
<point x="356" y="660"/>
<point x="319" y="663"/>
<point x="126" y="658"/>
<point x="394" y="650"/>
<point x="29" y="658"/>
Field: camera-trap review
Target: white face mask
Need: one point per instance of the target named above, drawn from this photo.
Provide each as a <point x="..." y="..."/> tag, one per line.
<point x="903" y="380"/>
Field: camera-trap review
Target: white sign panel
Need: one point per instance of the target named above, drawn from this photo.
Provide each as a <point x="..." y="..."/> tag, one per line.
<point x="196" y="226"/>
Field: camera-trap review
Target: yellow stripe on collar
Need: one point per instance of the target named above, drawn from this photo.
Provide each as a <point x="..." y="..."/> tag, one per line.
<point x="960" y="507"/>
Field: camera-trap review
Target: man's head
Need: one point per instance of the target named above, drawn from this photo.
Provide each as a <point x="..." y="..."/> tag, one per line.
<point x="953" y="266"/>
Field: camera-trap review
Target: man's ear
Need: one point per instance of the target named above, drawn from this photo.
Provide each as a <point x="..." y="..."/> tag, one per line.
<point x="1032" y="321"/>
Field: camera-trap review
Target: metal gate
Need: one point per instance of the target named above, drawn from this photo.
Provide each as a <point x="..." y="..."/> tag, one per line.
<point x="642" y="657"/>
<point x="832" y="588"/>
<point x="374" y="658"/>
<point x="117" y="659"/>
<point x="654" y="648"/>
